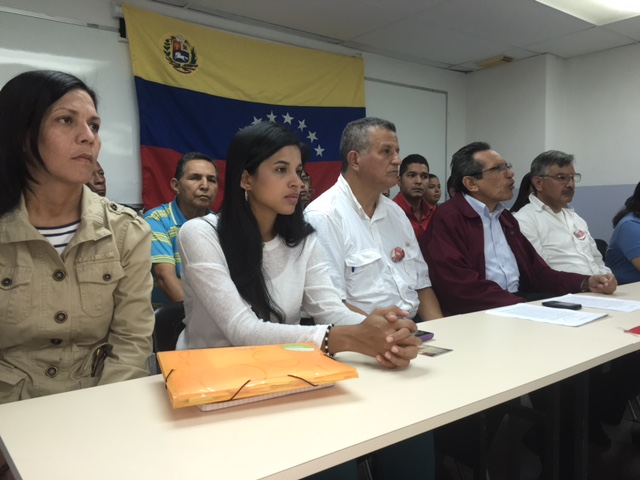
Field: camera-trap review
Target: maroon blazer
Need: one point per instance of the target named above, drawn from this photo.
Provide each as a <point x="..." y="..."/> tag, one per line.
<point x="453" y="247"/>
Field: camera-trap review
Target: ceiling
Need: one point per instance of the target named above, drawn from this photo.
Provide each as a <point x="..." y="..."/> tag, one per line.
<point x="449" y="34"/>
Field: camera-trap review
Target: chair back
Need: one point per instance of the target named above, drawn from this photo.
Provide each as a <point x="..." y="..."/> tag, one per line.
<point x="168" y="326"/>
<point x="602" y="246"/>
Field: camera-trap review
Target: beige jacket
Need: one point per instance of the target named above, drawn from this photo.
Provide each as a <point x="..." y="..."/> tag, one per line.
<point x="78" y="319"/>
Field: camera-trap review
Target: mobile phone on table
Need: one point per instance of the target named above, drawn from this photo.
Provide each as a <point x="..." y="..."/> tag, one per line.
<point x="423" y="335"/>
<point x="557" y="304"/>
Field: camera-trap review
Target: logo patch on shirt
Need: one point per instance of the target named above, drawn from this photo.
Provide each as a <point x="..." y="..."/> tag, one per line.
<point x="397" y="254"/>
<point x="580" y="235"/>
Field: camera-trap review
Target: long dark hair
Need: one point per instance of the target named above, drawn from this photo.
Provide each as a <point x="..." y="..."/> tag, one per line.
<point x="632" y="205"/>
<point x="24" y="100"/>
<point x="238" y="230"/>
<point x="523" y="193"/>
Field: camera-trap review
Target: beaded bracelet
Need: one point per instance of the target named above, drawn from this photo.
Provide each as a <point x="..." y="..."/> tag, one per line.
<point x="326" y="340"/>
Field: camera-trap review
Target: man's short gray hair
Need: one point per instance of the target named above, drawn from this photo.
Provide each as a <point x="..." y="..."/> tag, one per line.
<point x="356" y="136"/>
<point x="541" y="164"/>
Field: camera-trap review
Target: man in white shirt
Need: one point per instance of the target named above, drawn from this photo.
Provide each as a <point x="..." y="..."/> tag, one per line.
<point x="557" y="233"/>
<point x="373" y="255"/>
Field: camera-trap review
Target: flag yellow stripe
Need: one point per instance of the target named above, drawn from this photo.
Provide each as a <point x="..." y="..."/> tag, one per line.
<point x="244" y="69"/>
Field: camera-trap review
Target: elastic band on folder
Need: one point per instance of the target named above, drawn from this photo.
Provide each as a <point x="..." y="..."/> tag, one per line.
<point x="304" y="380"/>
<point x="243" y="385"/>
<point x="167" y="379"/>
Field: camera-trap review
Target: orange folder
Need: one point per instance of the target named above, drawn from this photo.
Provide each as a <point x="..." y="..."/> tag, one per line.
<point x="216" y="375"/>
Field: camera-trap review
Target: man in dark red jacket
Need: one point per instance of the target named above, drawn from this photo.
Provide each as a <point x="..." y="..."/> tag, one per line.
<point x="477" y="256"/>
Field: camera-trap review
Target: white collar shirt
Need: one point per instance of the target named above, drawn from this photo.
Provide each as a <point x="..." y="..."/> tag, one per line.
<point x="500" y="262"/>
<point x="373" y="262"/>
<point x="562" y="239"/>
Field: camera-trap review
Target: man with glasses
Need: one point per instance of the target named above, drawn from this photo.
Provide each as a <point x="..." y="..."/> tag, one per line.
<point x="557" y="233"/>
<point x="477" y="255"/>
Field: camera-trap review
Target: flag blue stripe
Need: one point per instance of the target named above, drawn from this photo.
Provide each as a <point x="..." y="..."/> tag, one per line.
<point x="184" y="120"/>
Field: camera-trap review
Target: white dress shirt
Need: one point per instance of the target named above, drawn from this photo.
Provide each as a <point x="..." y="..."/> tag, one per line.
<point x="562" y="239"/>
<point x="361" y="250"/>
<point x="500" y="262"/>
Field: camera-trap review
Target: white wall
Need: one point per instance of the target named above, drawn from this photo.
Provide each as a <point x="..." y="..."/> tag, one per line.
<point x="506" y="107"/>
<point x="100" y="58"/>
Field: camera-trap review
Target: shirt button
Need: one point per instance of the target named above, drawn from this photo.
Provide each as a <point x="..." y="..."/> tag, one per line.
<point x="56" y="341"/>
<point x="114" y="207"/>
<point x="6" y="282"/>
<point x="58" y="275"/>
<point x="60" y="317"/>
<point x="106" y="277"/>
<point x="51" y="372"/>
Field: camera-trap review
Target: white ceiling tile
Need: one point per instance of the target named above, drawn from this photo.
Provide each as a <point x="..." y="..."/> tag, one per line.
<point x="629" y="27"/>
<point x="412" y="37"/>
<point x="515" y="22"/>
<point x="587" y="41"/>
<point x="329" y="18"/>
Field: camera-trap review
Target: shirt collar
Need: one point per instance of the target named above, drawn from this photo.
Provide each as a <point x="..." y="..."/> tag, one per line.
<point x="344" y="187"/>
<point x="539" y="205"/>
<point x="176" y="214"/>
<point x="481" y="209"/>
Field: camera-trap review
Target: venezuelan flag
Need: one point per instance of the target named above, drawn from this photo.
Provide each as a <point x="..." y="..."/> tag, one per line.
<point x="196" y="87"/>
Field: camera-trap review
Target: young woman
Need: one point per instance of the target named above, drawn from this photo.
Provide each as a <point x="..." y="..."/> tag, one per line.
<point x="74" y="268"/>
<point x="623" y="254"/>
<point x="247" y="274"/>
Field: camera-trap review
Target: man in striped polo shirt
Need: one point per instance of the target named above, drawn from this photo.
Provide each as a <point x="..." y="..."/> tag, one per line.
<point x="196" y="186"/>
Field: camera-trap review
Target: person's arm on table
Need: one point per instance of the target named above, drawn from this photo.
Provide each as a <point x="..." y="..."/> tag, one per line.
<point x="382" y="335"/>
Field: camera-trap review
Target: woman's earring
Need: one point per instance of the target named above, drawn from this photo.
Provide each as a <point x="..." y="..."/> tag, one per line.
<point x="246" y="196"/>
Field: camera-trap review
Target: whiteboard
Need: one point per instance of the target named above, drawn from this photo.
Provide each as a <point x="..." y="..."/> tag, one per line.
<point x="420" y="117"/>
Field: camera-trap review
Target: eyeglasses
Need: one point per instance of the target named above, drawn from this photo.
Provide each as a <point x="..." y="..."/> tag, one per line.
<point x="564" y="178"/>
<point x="503" y="167"/>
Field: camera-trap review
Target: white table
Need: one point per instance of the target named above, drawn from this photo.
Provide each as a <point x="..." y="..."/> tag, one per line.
<point x="129" y="430"/>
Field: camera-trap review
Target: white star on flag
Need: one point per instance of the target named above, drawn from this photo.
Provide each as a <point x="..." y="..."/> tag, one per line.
<point x="319" y="150"/>
<point x="272" y="117"/>
<point x="302" y="124"/>
<point x="287" y="118"/>
<point x="256" y="121"/>
<point x="312" y="136"/>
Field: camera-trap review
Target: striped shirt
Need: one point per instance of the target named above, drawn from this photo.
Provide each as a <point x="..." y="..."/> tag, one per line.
<point x="165" y="222"/>
<point x="59" y="236"/>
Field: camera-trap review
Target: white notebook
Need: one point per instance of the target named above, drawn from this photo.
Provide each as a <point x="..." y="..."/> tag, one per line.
<point x="207" y="407"/>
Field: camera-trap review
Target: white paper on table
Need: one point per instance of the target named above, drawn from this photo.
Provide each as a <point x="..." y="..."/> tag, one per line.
<point x="602" y="302"/>
<point x="558" y="316"/>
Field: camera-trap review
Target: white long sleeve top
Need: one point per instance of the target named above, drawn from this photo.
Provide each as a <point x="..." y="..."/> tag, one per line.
<point x="216" y="314"/>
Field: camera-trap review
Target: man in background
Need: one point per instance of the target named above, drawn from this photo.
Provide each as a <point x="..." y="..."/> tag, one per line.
<point x="196" y="185"/>
<point x="413" y="180"/>
<point x="451" y="190"/>
<point x="98" y="182"/>
<point x="559" y="235"/>
<point x="306" y="191"/>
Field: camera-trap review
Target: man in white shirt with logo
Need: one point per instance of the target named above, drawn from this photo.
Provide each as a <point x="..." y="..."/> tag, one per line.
<point x="373" y="255"/>
<point x="557" y="233"/>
